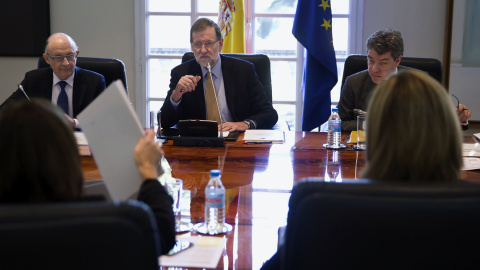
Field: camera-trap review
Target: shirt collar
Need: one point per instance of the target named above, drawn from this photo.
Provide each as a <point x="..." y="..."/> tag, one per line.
<point x="216" y="70"/>
<point x="69" y="80"/>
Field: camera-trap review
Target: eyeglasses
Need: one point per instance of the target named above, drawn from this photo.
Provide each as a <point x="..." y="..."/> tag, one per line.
<point x="59" y="59"/>
<point x="208" y="45"/>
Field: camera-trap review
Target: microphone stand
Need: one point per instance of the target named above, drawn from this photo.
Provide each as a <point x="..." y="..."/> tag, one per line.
<point x="216" y="100"/>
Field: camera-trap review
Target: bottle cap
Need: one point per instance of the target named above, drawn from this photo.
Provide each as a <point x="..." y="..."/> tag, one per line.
<point x="214" y="173"/>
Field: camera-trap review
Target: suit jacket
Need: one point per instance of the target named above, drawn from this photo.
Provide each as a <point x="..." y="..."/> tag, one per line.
<point x="38" y="83"/>
<point x="246" y="98"/>
<point x="355" y="94"/>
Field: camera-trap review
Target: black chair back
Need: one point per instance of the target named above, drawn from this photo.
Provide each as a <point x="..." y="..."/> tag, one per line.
<point x="112" y="69"/>
<point x="85" y="235"/>
<point x="357" y="62"/>
<point x="371" y="225"/>
<point x="261" y="63"/>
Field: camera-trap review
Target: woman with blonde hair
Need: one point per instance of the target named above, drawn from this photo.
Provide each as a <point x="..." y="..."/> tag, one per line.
<point x="413" y="133"/>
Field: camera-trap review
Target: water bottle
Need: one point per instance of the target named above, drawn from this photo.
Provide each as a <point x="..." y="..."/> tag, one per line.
<point x="214" y="204"/>
<point x="334" y="129"/>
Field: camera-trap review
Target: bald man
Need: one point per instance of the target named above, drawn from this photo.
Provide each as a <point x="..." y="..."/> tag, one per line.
<point x="70" y="87"/>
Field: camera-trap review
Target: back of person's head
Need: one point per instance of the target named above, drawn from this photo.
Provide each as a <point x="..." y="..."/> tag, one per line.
<point x="412" y="133"/>
<point x="386" y="40"/>
<point x="202" y="24"/>
<point x="39" y="155"/>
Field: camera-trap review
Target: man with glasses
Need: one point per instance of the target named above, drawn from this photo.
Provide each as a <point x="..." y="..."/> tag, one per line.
<point x="242" y="101"/>
<point x="70" y="87"/>
<point x="384" y="53"/>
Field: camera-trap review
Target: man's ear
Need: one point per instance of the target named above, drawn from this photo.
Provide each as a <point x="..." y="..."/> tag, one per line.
<point x="47" y="59"/>
<point x="398" y="60"/>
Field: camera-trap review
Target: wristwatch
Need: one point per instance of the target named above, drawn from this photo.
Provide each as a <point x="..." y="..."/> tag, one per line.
<point x="249" y="123"/>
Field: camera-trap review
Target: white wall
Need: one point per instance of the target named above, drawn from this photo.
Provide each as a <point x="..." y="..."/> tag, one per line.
<point x="422" y="24"/>
<point x="101" y="28"/>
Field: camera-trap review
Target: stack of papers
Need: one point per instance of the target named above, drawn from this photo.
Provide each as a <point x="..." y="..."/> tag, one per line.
<point x="205" y="253"/>
<point x="264" y="135"/>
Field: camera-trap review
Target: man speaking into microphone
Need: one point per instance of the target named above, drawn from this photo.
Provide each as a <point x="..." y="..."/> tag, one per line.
<point x="240" y="102"/>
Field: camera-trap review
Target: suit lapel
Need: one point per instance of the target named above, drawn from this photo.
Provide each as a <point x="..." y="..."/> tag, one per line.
<point x="199" y="93"/>
<point x="229" y="83"/>
<point x="79" y="89"/>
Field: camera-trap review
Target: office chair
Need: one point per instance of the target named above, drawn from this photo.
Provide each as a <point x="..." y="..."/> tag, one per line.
<point x="372" y="225"/>
<point x="261" y="63"/>
<point x="112" y="69"/>
<point x="79" y="235"/>
<point x="357" y="62"/>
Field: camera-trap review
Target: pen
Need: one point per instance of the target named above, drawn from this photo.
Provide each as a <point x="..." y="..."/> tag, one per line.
<point x="257" y="142"/>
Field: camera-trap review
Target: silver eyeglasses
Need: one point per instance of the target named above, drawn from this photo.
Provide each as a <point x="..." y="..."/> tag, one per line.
<point x="59" y="59"/>
<point x="208" y="45"/>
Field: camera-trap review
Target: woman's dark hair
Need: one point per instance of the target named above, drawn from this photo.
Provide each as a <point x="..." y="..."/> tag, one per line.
<point x="39" y="154"/>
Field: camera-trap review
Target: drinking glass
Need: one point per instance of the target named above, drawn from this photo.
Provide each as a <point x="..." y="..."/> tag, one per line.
<point x="174" y="189"/>
<point x="361" y="124"/>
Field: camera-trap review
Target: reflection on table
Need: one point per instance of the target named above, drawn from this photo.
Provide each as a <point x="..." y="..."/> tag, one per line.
<point x="258" y="180"/>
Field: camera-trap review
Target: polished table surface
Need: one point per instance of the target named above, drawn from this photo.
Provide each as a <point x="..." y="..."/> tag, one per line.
<point x="258" y="180"/>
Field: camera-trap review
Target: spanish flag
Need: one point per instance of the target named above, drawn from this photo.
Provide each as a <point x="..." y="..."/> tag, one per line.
<point x="231" y="19"/>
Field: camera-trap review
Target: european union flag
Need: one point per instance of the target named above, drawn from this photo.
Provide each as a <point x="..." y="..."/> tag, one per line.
<point x="313" y="29"/>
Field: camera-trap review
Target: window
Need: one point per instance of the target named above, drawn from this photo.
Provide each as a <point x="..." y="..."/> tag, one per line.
<point x="163" y="37"/>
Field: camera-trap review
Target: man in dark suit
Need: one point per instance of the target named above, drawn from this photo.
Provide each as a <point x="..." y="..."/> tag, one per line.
<point x="64" y="84"/>
<point x="384" y="53"/>
<point x="243" y="103"/>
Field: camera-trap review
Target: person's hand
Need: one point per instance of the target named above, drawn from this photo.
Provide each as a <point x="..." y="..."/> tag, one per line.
<point x="186" y="84"/>
<point x="147" y="155"/>
<point x="463" y="113"/>
<point x="70" y="120"/>
<point x="233" y="126"/>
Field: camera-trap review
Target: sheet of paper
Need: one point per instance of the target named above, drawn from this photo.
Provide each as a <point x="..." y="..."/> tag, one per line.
<point x="113" y="129"/>
<point x="471" y="150"/>
<point x="470" y="164"/>
<point x="260" y="135"/>
<point x="81" y="138"/>
<point x="205" y="253"/>
<point x="477" y="135"/>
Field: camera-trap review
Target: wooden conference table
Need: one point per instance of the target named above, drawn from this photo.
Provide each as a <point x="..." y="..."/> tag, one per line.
<point x="258" y="180"/>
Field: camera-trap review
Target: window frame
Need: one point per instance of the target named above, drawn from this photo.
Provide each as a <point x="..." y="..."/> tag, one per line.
<point x="142" y="103"/>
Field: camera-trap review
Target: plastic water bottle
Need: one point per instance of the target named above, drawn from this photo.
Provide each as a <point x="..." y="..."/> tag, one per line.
<point x="214" y="204"/>
<point x="334" y="129"/>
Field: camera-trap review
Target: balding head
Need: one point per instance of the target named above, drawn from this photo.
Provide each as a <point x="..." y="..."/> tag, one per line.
<point x="60" y="38"/>
<point x="61" y="54"/>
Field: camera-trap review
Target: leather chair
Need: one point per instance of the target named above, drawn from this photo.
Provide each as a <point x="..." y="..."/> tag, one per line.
<point x="372" y="225"/>
<point x="261" y="63"/>
<point x="80" y="235"/>
<point x="357" y="62"/>
<point x="112" y="69"/>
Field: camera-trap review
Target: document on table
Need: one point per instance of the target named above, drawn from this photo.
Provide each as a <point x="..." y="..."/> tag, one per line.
<point x="470" y="163"/>
<point x="471" y="150"/>
<point x="263" y="135"/>
<point x="81" y="138"/>
<point x="205" y="253"/>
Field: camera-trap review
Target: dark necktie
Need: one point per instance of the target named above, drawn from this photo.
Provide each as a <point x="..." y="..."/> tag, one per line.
<point x="62" y="100"/>
<point x="211" y="100"/>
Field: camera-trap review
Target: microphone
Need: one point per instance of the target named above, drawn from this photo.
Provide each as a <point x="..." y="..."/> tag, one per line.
<point x="216" y="99"/>
<point x="21" y="88"/>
